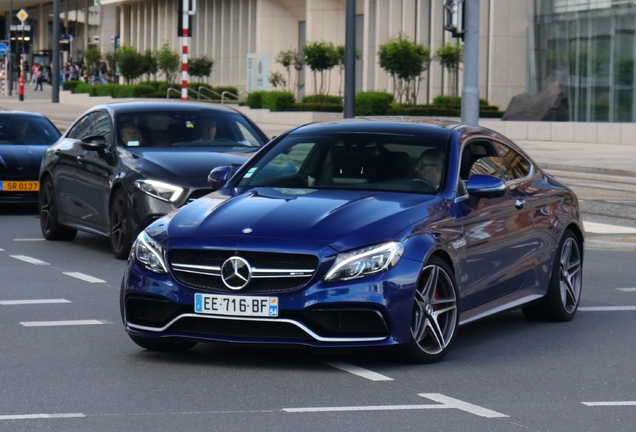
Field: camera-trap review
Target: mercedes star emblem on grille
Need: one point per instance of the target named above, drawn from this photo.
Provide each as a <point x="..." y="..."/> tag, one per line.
<point x="236" y="273"/>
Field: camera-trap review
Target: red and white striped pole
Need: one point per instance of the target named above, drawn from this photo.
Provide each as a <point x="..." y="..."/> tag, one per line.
<point x="184" y="51"/>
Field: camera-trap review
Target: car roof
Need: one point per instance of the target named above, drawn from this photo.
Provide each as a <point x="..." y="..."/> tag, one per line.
<point x="22" y="113"/>
<point x="124" y="107"/>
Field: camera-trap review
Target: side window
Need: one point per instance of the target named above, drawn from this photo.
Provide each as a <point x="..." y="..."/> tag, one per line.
<point x="101" y="126"/>
<point x="81" y="128"/>
<point x="517" y="166"/>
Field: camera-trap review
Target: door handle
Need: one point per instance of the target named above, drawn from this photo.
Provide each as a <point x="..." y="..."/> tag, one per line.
<point x="80" y="159"/>
<point x="519" y="204"/>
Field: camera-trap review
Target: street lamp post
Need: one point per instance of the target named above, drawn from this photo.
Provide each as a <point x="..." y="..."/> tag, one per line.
<point x="9" y="55"/>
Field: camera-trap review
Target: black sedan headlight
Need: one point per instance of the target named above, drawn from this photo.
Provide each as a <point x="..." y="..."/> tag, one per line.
<point x="364" y="262"/>
<point x="149" y="253"/>
<point x="160" y="190"/>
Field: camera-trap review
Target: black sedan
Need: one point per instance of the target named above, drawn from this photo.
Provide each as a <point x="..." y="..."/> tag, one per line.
<point x="23" y="139"/>
<point x="121" y="166"/>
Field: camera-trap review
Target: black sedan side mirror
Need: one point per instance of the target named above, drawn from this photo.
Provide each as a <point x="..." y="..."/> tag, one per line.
<point x="485" y="186"/>
<point x="94" y="143"/>
<point x="218" y="176"/>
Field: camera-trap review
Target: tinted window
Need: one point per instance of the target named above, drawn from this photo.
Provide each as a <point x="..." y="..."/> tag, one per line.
<point x="22" y="129"/>
<point x="101" y="126"/>
<point x="185" y="129"/>
<point x="350" y="161"/>
<point x="81" y="128"/>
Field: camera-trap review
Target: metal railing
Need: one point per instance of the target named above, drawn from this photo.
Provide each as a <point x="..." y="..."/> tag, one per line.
<point x="222" y="95"/>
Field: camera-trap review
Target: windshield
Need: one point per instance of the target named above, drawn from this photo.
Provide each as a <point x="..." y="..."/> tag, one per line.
<point x="385" y="162"/>
<point x="200" y="128"/>
<point x="24" y="129"/>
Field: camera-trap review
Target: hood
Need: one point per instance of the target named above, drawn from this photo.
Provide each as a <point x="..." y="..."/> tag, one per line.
<point x="184" y="166"/>
<point x="19" y="161"/>
<point x="342" y="219"/>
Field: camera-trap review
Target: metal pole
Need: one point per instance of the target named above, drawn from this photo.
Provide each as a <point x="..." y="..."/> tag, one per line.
<point x="10" y="54"/>
<point x="184" y="50"/>
<point x="470" y="90"/>
<point x="350" y="61"/>
<point x="55" y="63"/>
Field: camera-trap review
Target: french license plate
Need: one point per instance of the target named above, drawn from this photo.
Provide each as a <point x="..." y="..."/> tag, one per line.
<point x="235" y="305"/>
<point x="19" y="186"/>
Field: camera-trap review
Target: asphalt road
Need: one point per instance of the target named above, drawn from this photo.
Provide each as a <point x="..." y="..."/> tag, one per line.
<point x="502" y="374"/>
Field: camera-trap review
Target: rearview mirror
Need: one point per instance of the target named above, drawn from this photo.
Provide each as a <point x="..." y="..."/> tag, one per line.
<point x="485" y="186"/>
<point x="219" y="176"/>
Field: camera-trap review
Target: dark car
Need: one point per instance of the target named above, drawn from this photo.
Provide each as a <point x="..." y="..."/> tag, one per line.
<point x="23" y="139"/>
<point x="121" y="166"/>
<point x="360" y="233"/>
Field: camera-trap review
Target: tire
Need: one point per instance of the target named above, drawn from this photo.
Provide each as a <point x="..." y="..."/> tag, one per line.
<point x="51" y="228"/>
<point x="157" y="344"/>
<point x="120" y="231"/>
<point x="564" y="292"/>
<point x="435" y="315"/>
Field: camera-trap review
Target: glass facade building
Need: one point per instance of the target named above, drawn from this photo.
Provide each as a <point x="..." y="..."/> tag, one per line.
<point x="590" y="46"/>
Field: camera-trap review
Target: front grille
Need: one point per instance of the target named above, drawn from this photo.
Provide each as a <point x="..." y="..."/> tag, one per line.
<point x="239" y="329"/>
<point x="153" y="312"/>
<point x="272" y="272"/>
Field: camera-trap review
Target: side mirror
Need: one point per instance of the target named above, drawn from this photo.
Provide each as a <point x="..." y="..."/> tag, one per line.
<point x="485" y="186"/>
<point x="219" y="176"/>
<point x="94" y="143"/>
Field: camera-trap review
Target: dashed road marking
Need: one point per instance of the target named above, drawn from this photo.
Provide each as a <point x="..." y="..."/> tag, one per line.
<point x="62" y="323"/>
<point x="84" y="277"/>
<point x="627" y="289"/>
<point x="28" y="240"/>
<point x="619" y="403"/>
<point x="364" y="373"/>
<point x="445" y="402"/>
<point x="607" y="308"/>
<point x="29" y="259"/>
<point x="30" y="302"/>
<point x="40" y="416"/>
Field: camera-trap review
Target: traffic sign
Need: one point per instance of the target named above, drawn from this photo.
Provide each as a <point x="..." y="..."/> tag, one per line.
<point x="22" y="15"/>
<point x="3" y="48"/>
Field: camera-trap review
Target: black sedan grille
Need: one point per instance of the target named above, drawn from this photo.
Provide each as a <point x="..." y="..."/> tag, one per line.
<point x="239" y="329"/>
<point x="271" y="272"/>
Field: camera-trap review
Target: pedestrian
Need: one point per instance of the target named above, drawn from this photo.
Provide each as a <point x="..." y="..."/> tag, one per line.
<point x="66" y="70"/>
<point x="39" y="79"/>
<point x="34" y="69"/>
<point x="74" y="72"/>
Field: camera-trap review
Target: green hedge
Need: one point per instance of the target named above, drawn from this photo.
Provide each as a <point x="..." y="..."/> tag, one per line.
<point x="440" y="111"/>
<point x="322" y="107"/>
<point x="278" y="100"/>
<point x="323" y="99"/>
<point x="373" y="103"/>
<point x="70" y="85"/>
<point x="455" y="101"/>
<point x="85" y="88"/>
<point x="255" y="99"/>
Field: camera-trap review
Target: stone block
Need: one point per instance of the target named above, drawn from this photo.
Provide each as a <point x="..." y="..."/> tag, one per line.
<point x="551" y="104"/>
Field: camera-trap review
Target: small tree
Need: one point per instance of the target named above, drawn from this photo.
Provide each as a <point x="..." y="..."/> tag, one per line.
<point x="111" y="63"/>
<point x="405" y="61"/>
<point x="451" y="57"/>
<point x="149" y="64"/>
<point x="129" y="62"/>
<point x="321" y="57"/>
<point x="277" y="80"/>
<point x="92" y="57"/>
<point x="291" y="59"/>
<point x="168" y="62"/>
<point x="200" y="67"/>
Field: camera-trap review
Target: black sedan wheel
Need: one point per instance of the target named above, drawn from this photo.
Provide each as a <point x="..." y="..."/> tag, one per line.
<point x="121" y="236"/>
<point x="435" y="314"/>
<point x="562" y="299"/>
<point x="51" y="228"/>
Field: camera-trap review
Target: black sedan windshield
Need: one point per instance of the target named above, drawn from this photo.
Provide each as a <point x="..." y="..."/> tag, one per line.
<point x="375" y="161"/>
<point x="26" y="129"/>
<point x="185" y="129"/>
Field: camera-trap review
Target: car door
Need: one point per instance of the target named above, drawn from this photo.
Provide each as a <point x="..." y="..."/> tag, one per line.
<point x="95" y="170"/>
<point x="498" y="232"/>
<point x="65" y="168"/>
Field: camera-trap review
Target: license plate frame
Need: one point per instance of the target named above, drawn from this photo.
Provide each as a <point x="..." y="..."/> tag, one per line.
<point x="234" y="305"/>
<point x="19" y="186"/>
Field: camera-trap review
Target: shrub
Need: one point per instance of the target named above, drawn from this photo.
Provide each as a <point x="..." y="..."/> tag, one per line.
<point x="278" y="100"/>
<point x="315" y="106"/>
<point x="230" y="89"/>
<point x="104" y="90"/>
<point x="124" y="91"/>
<point x="373" y="103"/>
<point x="323" y="99"/>
<point x="85" y="88"/>
<point x="441" y="111"/>
<point x="143" y="90"/>
<point x="255" y="99"/>
<point x="70" y="85"/>
<point x="455" y="101"/>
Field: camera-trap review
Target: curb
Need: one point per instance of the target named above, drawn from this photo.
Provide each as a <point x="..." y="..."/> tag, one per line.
<point x="589" y="170"/>
<point x="609" y="245"/>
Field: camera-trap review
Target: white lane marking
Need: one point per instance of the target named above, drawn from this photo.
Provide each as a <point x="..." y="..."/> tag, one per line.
<point x="607" y="308"/>
<point x="30" y="302"/>
<point x="445" y="402"/>
<point x="61" y="323"/>
<point x="40" y="416"/>
<point x="1" y="250"/>
<point x="29" y="259"/>
<point x="84" y="277"/>
<point x="599" y="228"/>
<point x="461" y="405"/>
<point x="627" y="289"/>
<point x="27" y="240"/>
<point x="364" y="408"/>
<point x="364" y="373"/>
<point x="619" y="403"/>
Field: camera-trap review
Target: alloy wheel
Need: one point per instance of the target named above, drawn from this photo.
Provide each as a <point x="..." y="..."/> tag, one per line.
<point x="570" y="274"/>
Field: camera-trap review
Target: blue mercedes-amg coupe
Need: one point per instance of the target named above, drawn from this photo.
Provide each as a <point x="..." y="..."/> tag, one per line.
<point x="359" y="233"/>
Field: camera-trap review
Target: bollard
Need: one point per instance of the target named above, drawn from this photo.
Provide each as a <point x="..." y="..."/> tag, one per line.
<point x="21" y="87"/>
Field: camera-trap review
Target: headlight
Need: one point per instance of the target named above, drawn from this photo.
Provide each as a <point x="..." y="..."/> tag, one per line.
<point x="160" y="190"/>
<point x="149" y="253"/>
<point x="364" y="262"/>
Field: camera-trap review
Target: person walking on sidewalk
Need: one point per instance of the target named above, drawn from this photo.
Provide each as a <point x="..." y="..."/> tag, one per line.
<point x="39" y="78"/>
